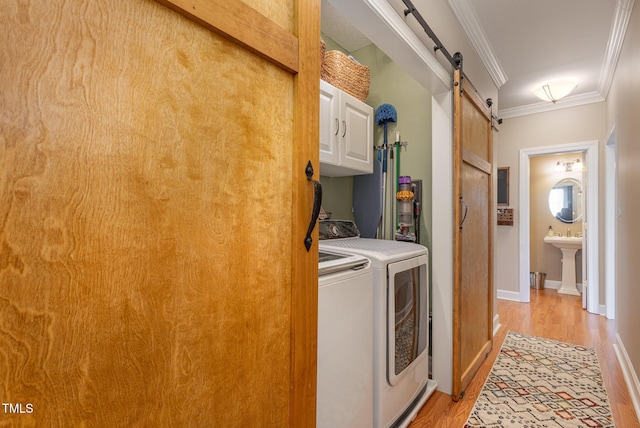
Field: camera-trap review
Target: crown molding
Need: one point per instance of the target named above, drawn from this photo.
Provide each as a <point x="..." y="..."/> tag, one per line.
<point x="542" y="107"/>
<point x="621" y="18"/>
<point x="476" y="36"/>
<point x="468" y="19"/>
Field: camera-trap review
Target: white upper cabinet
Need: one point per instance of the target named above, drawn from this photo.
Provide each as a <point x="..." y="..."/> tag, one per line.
<point x="346" y="133"/>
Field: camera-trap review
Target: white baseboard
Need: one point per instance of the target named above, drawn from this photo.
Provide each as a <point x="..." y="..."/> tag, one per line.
<point x="496" y="324"/>
<point x="629" y="374"/>
<point x="509" y="295"/>
<point x="549" y="284"/>
<point x="554" y="285"/>
<point x="603" y="310"/>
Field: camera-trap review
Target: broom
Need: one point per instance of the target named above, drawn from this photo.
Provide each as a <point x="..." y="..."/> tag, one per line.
<point x="385" y="113"/>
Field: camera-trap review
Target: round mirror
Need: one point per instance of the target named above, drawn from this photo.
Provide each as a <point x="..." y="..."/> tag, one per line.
<point x="565" y="200"/>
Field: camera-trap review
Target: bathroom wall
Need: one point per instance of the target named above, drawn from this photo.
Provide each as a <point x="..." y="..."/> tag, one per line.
<point x="545" y="257"/>
<point x="569" y="125"/>
<point x="390" y="84"/>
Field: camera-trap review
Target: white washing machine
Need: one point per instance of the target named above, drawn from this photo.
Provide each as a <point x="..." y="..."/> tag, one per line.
<point x="400" y="322"/>
<point x="345" y="341"/>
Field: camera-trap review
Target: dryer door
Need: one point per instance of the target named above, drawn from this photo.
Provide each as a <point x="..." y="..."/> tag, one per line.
<point x="407" y="316"/>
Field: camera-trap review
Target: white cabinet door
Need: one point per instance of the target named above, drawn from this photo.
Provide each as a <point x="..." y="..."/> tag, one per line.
<point x="329" y="123"/>
<point x="357" y="145"/>
<point x="346" y="133"/>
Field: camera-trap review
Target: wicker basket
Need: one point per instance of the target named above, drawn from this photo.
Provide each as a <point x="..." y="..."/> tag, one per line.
<point x="346" y="74"/>
<point x="323" y="49"/>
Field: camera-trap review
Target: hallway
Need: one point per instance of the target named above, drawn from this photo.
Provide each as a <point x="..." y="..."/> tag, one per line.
<point x="553" y="316"/>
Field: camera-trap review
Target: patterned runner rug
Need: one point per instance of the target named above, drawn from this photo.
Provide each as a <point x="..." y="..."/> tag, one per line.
<point x="538" y="382"/>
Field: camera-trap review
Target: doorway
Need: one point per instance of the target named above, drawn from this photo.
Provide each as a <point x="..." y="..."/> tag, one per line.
<point x="591" y="231"/>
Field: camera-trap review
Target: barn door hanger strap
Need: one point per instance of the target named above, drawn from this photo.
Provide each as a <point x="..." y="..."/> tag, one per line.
<point x="495" y="120"/>
<point x="457" y="61"/>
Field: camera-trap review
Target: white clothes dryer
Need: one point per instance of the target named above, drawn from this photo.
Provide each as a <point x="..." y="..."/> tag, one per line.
<point x="401" y="381"/>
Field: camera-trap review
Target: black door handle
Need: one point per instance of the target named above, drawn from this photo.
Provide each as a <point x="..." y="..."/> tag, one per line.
<point x="317" y="202"/>
<point x="466" y="211"/>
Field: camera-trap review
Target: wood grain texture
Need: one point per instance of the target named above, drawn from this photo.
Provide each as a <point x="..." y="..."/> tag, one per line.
<point x="553" y="316"/>
<point x="304" y="290"/>
<point x="245" y="26"/>
<point x="146" y="176"/>
<point x="473" y="250"/>
<point x="475" y="283"/>
<point x="474" y="124"/>
<point x="475" y="256"/>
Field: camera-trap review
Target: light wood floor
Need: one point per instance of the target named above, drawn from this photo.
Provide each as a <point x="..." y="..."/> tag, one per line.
<point x="553" y="316"/>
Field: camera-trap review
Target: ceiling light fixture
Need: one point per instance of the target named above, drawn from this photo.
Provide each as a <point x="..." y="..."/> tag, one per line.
<point x="555" y="91"/>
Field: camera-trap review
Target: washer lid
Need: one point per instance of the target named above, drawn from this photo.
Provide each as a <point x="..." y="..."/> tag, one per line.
<point x="332" y="261"/>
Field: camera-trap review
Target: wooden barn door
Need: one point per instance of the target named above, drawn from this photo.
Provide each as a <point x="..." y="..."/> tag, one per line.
<point x="153" y="212"/>
<point x="473" y="236"/>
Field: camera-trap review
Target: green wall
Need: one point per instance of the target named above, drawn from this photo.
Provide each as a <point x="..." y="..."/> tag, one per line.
<point x="390" y="84"/>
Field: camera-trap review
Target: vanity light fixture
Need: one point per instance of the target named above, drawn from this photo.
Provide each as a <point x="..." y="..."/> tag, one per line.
<point x="569" y="166"/>
<point x="555" y="91"/>
<point x="577" y="166"/>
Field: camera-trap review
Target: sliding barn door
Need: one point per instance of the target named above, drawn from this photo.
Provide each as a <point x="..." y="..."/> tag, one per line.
<point x="154" y="206"/>
<point x="473" y="287"/>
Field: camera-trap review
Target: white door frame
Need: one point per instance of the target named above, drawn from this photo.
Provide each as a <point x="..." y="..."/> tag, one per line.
<point x="610" y="216"/>
<point x="591" y="164"/>
<point x="388" y="30"/>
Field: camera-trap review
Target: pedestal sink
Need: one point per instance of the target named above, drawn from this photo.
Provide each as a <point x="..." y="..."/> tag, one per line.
<point x="569" y="247"/>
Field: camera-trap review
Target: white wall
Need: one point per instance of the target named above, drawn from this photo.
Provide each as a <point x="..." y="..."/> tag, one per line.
<point x="623" y="112"/>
